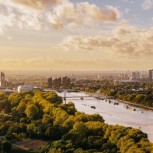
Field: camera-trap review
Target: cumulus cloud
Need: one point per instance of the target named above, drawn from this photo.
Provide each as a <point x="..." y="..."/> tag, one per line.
<point x="82" y="13"/>
<point x="124" y="41"/>
<point x="16" y="17"/>
<point x="147" y="4"/>
<point x="57" y="16"/>
<point x="88" y="43"/>
<point x="38" y="4"/>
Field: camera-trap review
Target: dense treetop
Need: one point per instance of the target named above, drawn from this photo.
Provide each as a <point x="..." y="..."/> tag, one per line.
<point x="42" y="115"/>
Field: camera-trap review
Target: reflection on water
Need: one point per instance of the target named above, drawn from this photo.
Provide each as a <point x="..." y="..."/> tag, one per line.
<point x="115" y="114"/>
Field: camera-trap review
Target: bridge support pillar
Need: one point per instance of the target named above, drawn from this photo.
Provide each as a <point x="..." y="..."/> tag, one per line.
<point x="65" y="95"/>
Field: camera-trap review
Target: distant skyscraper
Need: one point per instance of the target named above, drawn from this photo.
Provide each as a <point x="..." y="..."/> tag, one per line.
<point x="50" y="82"/>
<point x="2" y="80"/>
<point x="135" y="76"/>
<point x="56" y="83"/>
<point x="65" y="81"/>
<point x="150" y="75"/>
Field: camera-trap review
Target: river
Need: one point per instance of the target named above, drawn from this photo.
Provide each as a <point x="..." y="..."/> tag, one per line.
<point x="115" y="114"/>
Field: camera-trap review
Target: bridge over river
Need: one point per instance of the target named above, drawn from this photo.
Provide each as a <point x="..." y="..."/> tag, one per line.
<point x="82" y="97"/>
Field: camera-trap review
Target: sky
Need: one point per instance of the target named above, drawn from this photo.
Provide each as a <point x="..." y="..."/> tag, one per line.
<point x="76" y="35"/>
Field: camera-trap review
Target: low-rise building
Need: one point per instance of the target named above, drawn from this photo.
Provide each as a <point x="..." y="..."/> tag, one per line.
<point x="25" y="88"/>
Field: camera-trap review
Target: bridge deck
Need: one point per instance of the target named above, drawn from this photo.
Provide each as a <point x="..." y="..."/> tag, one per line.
<point x="85" y="97"/>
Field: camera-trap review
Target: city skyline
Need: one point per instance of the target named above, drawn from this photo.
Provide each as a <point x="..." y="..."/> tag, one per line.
<point x="69" y="35"/>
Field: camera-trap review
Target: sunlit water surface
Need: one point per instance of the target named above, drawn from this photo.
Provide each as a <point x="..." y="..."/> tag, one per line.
<point x="114" y="114"/>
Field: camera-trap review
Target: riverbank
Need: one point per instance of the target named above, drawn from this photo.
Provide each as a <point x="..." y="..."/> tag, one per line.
<point x="126" y="102"/>
<point x="99" y="95"/>
<point x="136" y="105"/>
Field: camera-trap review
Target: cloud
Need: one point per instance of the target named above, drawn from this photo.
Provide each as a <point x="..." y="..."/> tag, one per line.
<point x="74" y="12"/>
<point x="147" y="4"/>
<point x="82" y="13"/>
<point x="38" y="4"/>
<point x="88" y="43"/>
<point x="19" y="18"/>
<point x="58" y="16"/>
<point x="124" y="40"/>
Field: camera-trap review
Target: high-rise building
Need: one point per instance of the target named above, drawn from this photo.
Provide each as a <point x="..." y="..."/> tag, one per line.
<point x="135" y="76"/>
<point x="50" y="83"/>
<point x="2" y="80"/>
<point x="56" y="83"/>
<point x="65" y="81"/>
<point x="150" y="75"/>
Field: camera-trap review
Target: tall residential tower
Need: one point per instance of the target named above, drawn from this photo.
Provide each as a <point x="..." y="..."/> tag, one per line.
<point x="2" y="80"/>
<point x="150" y="75"/>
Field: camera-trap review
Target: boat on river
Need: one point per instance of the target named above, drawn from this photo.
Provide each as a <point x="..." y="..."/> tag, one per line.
<point x="129" y="108"/>
<point x="93" y="107"/>
<point x="82" y="98"/>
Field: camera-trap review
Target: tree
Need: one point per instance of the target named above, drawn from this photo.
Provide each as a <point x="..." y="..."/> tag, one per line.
<point x="47" y="119"/>
<point x="32" y="111"/>
<point x="6" y="145"/>
<point x="52" y="97"/>
<point x="80" y="128"/>
<point x="14" y="99"/>
<point x="21" y="107"/>
<point x="7" y="108"/>
<point x="139" y="98"/>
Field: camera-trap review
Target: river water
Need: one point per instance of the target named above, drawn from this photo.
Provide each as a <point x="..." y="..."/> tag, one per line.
<point x="114" y="114"/>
